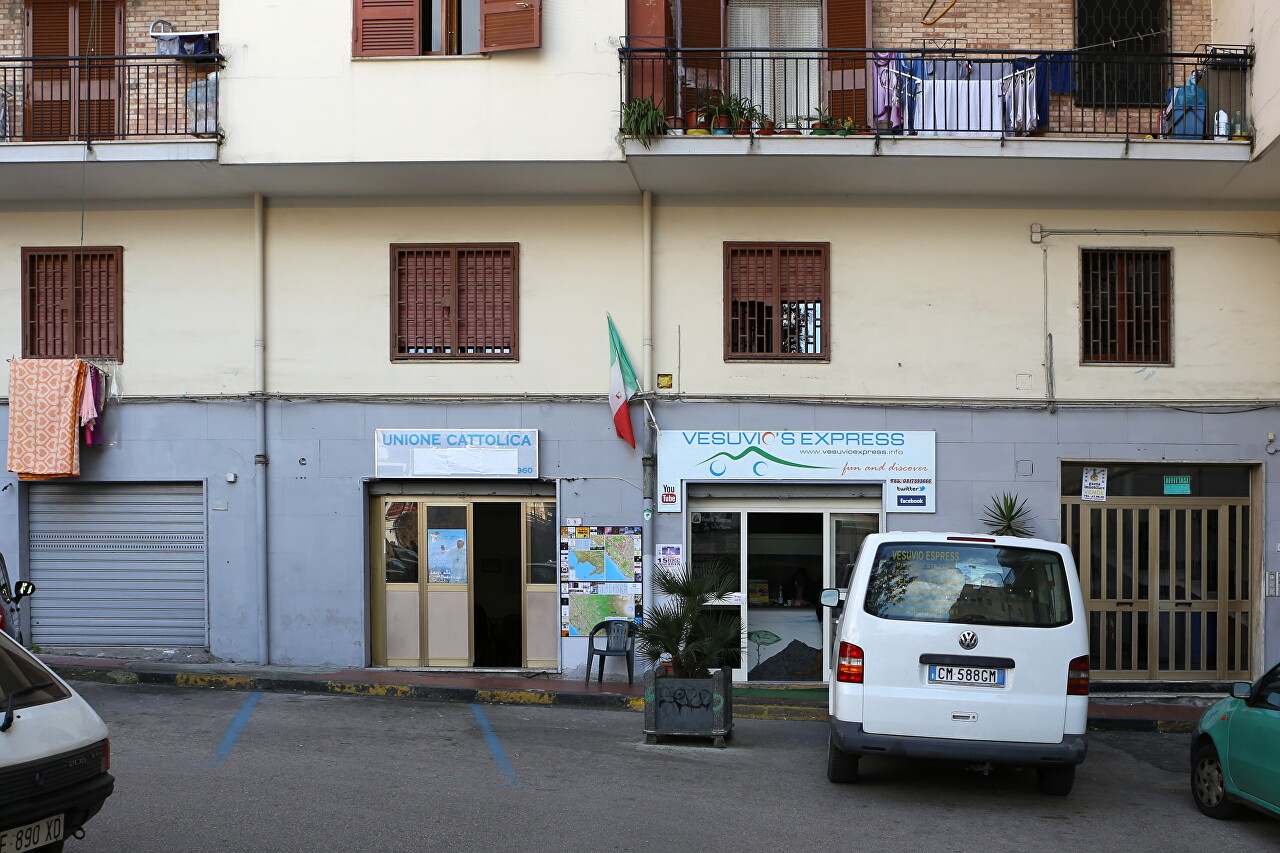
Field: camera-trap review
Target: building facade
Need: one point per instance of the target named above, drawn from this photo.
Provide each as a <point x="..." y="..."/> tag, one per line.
<point x="351" y="288"/>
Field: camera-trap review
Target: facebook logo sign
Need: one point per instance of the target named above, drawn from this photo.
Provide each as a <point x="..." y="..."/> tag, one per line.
<point x="910" y="500"/>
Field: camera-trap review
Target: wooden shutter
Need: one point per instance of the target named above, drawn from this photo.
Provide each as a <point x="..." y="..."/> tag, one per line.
<point x="100" y="32"/>
<point x="776" y="299"/>
<point x="454" y="301"/>
<point x="699" y="24"/>
<point x="48" y="97"/>
<point x="72" y="302"/>
<point x="387" y="28"/>
<point x="848" y="25"/>
<point x="510" y="25"/>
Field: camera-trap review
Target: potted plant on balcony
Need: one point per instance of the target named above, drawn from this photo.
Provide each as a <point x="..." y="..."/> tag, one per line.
<point x="696" y="697"/>
<point x="823" y="123"/>
<point x="643" y="120"/>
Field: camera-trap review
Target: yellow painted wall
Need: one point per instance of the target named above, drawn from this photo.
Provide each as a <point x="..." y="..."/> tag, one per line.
<point x="293" y="93"/>
<point x="188" y="283"/>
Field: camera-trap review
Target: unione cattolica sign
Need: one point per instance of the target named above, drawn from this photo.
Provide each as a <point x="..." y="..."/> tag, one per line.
<point x="448" y="453"/>
<point x="902" y="460"/>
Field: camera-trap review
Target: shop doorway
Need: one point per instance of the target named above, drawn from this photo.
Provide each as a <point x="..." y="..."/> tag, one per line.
<point x="465" y="583"/>
<point x="784" y="557"/>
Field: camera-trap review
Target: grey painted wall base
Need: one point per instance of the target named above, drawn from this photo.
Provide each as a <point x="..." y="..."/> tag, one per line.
<point x="321" y="461"/>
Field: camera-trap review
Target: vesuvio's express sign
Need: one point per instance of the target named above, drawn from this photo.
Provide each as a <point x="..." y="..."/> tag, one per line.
<point x="902" y="460"/>
<point x="448" y="453"/>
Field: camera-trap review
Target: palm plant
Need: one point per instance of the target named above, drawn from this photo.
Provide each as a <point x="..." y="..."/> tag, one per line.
<point x="695" y="640"/>
<point x="1008" y="515"/>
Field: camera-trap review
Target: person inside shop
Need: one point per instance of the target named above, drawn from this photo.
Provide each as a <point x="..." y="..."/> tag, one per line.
<point x="802" y="592"/>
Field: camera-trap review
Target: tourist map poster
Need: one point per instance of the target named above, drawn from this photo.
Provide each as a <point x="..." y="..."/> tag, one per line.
<point x="600" y="577"/>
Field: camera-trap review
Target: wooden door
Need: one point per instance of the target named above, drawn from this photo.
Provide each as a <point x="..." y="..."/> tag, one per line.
<point x="70" y="95"/>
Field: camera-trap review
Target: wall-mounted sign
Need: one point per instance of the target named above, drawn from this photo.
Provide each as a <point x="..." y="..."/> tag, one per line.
<point x="902" y="461"/>
<point x="454" y="453"/>
<point x="1094" y="487"/>
<point x="1177" y="485"/>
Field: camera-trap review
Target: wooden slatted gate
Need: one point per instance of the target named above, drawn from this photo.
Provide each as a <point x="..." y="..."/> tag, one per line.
<point x="1167" y="585"/>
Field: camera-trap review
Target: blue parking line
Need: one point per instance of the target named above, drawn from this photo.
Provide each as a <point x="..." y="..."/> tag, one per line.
<point x="235" y="729"/>
<point x="495" y="746"/>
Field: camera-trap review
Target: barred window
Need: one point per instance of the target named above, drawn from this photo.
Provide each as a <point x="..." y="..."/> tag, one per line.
<point x="71" y="302"/>
<point x="1125" y="307"/>
<point x="454" y="301"/>
<point x="1123" y="42"/>
<point x="776" y="299"/>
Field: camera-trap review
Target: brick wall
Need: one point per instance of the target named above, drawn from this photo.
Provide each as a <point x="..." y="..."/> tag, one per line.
<point x="1014" y="24"/>
<point x="184" y="14"/>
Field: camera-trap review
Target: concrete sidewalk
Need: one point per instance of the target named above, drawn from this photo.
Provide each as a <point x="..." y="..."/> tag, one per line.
<point x="1107" y="711"/>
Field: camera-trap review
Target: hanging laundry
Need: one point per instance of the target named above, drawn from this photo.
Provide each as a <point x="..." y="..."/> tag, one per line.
<point x="1020" y="108"/>
<point x="44" y="405"/>
<point x="886" y="92"/>
<point x="92" y="404"/>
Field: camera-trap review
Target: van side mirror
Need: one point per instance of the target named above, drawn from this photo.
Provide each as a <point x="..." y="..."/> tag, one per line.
<point x="830" y="598"/>
<point x="1242" y="690"/>
<point x="22" y="589"/>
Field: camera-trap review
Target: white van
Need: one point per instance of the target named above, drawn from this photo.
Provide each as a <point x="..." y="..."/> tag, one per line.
<point x="957" y="646"/>
<point x="54" y="755"/>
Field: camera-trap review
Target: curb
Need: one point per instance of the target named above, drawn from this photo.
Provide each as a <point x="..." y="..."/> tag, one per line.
<point x="428" y="692"/>
<point x="746" y="709"/>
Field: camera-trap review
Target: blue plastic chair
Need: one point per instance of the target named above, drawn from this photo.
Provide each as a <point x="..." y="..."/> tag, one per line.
<point x="620" y="642"/>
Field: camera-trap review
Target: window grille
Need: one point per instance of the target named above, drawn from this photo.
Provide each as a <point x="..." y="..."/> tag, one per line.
<point x="72" y="302"/>
<point x="454" y="301"/>
<point x="1125" y="307"/>
<point x="1127" y="37"/>
<point x="776" y="296"/>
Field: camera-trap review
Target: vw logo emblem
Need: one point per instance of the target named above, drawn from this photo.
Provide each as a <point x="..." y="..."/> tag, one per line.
<point x="968" y="640"/>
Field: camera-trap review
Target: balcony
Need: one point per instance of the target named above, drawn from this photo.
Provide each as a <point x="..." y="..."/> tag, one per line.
<point x="109" y="102"/>
<point x="933" y="106"/>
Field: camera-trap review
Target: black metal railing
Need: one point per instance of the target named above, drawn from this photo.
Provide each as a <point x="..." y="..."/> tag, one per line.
<point x="45" y="99"/>
<point x="937" y="92"/>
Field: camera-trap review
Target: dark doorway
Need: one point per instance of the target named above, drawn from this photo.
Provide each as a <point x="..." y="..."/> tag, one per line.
<point x="496" y="584"/>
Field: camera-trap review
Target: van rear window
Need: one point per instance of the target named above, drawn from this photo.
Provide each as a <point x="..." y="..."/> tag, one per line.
<point x="968" y="583"/>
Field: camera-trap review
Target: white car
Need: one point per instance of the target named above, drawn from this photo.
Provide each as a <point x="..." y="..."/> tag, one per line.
<point x="54" y="755"/>
<point x="959" y="646"/>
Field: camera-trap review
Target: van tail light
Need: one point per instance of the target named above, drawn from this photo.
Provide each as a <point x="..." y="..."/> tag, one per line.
<point x="106" y="755"/>
<point x="1078" y="676"/>
<point x="849" y="666"/>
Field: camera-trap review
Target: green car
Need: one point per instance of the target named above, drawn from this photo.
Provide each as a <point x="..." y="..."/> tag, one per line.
<point x="1235" y="751"/>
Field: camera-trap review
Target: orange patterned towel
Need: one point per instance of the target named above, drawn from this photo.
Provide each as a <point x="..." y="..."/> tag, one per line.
<point x="44" y="408"/>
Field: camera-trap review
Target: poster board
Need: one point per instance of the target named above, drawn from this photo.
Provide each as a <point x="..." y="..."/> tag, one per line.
<point x="601" y="576"/>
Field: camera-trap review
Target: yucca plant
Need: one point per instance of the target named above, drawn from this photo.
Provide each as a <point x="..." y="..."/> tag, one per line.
<point x="1008" y="515"/>
<point x="643" y="120"/>
<point x="694" y="639"/>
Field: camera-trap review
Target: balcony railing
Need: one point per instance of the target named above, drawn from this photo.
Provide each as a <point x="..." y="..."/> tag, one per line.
<point x="46" y="99"/>
<point x="923" y="92"/>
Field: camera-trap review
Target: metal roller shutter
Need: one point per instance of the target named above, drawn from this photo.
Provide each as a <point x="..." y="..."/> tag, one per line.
<point x="118" y="565"/>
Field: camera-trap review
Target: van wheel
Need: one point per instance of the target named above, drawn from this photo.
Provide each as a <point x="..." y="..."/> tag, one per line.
<point x="1055" y="781"/>
<point x="842" y="768"/>
<point x="1208" y="786"/>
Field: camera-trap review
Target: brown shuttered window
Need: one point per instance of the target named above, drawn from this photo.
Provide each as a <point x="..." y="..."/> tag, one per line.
<point x="454" y="301"/>
<point x="776" y="296"/>
<point x="444" y="27"/>
<point x="71" y="303"/>
<point x="1125" y="307"/>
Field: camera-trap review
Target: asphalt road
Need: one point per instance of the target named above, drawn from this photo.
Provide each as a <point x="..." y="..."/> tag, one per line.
<point x="201" y="770"/>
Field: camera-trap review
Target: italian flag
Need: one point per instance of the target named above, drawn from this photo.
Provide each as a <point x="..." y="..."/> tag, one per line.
<point x="622" y="386"/>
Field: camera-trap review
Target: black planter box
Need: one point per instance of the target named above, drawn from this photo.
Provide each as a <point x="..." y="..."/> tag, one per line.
<point x="689" y="707"/>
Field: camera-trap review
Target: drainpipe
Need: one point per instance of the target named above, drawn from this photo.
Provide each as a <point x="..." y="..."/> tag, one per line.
<point x="649" y="433"/>
<point x="260" y="412"/>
